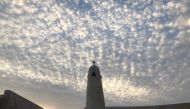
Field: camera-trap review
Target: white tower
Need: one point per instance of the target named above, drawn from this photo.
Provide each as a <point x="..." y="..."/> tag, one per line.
<point x="95" y="95"/>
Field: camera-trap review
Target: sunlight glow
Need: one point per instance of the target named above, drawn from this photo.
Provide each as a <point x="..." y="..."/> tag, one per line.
<point x="188" y="22"/>
<point x="49" y="107"/>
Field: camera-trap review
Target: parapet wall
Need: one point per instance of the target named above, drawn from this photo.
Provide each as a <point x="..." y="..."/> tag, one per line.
<point x="169" y="106"/>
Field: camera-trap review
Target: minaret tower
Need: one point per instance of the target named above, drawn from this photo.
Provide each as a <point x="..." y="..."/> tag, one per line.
<point x="95" y="95"/>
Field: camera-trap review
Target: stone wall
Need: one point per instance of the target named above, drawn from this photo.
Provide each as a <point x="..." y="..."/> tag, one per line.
<point x="11" y="100"/>
<point x="170" y="106"/>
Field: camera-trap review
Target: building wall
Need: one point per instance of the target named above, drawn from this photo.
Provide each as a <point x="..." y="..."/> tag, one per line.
<point x="1" y="97"/>
<point x="13" y="101"/>
<point x="170" y="106"/>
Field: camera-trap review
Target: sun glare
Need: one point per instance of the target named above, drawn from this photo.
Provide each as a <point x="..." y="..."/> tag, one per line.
<point x="188" y="21"/>
<point x="48" y="107"/>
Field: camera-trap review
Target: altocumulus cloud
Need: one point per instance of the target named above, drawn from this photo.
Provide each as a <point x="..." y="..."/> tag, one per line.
<point x="141" y="46"/>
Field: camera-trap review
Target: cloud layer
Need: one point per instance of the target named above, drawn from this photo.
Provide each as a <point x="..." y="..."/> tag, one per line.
<point x="142" y="47"/>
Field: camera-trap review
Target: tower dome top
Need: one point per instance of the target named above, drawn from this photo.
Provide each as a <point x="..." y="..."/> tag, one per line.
<point x="94" y="66"/>
<point x="93" y="62"/>
<point x="94" y="70"/>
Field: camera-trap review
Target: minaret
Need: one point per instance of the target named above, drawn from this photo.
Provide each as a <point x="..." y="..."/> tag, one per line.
<point x="95" y="95"/>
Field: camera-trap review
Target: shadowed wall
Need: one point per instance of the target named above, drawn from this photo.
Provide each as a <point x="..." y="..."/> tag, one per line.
<point x="11" y="100"/>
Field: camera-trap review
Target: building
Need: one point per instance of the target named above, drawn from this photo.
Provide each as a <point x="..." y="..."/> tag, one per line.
<point x="11" y="100"/>
<point x="95" y="95"/>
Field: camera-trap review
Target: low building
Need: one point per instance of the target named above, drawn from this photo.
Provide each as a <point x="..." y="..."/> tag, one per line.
<point x="11" y="100"/>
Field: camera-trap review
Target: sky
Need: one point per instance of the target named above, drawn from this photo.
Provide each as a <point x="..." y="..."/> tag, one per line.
<point x="142" y="48"/>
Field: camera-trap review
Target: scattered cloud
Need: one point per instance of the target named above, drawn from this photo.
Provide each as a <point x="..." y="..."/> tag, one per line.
<point x="142" y="47"/>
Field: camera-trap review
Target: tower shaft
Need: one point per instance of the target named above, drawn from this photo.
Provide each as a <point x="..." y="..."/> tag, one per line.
<point x="95" y="96"/>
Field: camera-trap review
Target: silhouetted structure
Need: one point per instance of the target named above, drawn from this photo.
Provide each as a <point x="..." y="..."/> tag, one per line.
<point x="95" y="95"/>
<point x="11" y="100"/>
